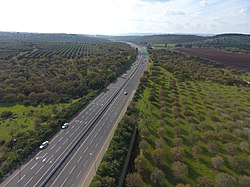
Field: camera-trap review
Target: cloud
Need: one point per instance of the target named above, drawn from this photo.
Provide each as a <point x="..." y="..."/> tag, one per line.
<point x="156" y="1"/>
<point x="205" y="2"/>
<point x="176" y="13"/>
<point x="245" y="11"/>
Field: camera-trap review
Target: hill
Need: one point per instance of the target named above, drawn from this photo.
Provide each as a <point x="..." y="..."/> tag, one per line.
<point x="231" y="42"/>
<point x="156" y="39"/>
<point x="227" y="41"/>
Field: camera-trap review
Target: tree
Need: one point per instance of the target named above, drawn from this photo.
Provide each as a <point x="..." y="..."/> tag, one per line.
<point x="143" y="145"/>
<point x="217" y="162"/>
<point x="245" y="145"/>
<point x="177" y="142"/>
<point x="182" y="185"/>
<point x="179" y="170"/>
<point x="157" y="177"/>
<point x="225" y="180"/>
<point x="176" y="131"/>
<point x="230" y="148"/>
<point x="238" y="164"/>
<point x="160" y="142"/>
<point x="178" y="153"/>
<point x="231" y="125"/>
<point x="146" y="122"/>
<point x="133" y="180"/>
<point x="212" y="147"/>
<point x="203" y="181"/>
<point x="144" y="132"/>
<point x="162" y="123"/>
<point x="159" y="156"/>
<point x="196" y="150"/>
<point x="162" y="132"/>
<point x="6" y="114"/>
<point x="108" y="181"/>
<point x="140" y="163"/>
<point x="244" y="181"/>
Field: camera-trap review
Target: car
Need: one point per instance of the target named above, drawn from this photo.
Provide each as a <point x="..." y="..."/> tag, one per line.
<point x="125" y="93"/>
<point x="44" y="144"/>
<point x="65" y="125"/>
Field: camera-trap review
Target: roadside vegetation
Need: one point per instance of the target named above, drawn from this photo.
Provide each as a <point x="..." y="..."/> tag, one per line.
<point x="194" y="125"/>
<point x="111" y="166"/>
<point x="39" y="93"/>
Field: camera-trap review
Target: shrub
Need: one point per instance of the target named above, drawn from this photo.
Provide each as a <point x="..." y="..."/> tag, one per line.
<point x="203" y="181"/>
<point x="179" y="170"/>
<point x="6" y="114"/>
<point x="225" y="180"/>
<point x="157" y="177"/>
<point x="133" y="180"/>
<point x="217" y="162"/>
<point x="244" y="181"/>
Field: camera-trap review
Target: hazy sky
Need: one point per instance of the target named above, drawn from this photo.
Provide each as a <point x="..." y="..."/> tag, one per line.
<point x="125" y="16"/>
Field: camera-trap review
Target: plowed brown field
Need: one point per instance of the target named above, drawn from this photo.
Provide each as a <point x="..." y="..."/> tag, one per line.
<point x="241" y="61"/>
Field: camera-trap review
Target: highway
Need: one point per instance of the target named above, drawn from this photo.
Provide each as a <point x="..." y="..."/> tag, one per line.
<point x="73" y="154"/>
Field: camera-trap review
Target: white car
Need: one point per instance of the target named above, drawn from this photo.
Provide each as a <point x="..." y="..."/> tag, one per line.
<point x="44" y="144"/>
<point x="125" y="93"/>
<point x="65" y="125"/>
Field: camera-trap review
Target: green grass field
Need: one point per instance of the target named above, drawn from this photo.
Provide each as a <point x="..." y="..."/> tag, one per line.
<point x="25" y="117"/>
<point x="204" y="119"/>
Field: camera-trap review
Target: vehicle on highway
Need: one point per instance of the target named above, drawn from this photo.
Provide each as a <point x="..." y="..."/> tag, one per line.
<point x="125" y="93"/>
<point x="65" y="125"/>
<point x="44" y="144"/>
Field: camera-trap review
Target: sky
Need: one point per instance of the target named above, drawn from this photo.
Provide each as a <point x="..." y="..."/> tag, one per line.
<point x="113" y="17"/>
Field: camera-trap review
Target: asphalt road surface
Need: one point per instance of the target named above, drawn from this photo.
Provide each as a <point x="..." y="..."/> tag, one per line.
<point x="74" y="153"/>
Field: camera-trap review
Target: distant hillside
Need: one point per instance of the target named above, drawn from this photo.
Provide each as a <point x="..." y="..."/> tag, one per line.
<point x="61" y="37"/>
<point x="240" y="41"/>
<point x="156" y="39"/>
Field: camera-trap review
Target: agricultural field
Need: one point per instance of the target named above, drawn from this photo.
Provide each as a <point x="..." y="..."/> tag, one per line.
<point x="71" y="50"/>
<point x="13" y="44"/>
<point x="193" y="130"/>
<point x="237" y="60"/>
<point x="10" y="48"/>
